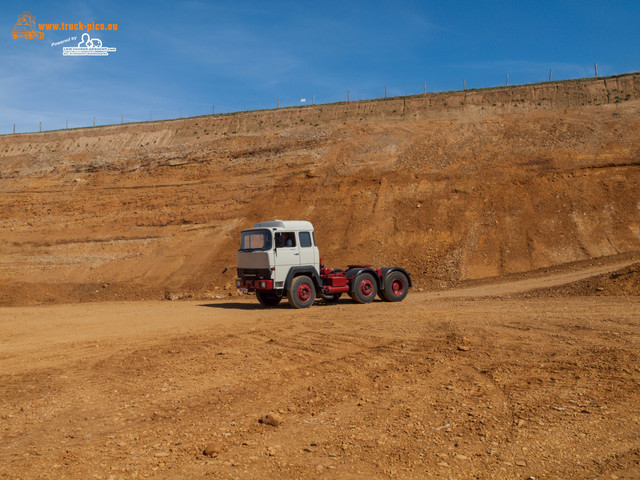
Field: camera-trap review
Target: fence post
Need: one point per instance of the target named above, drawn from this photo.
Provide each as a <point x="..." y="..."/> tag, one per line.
<point x="180" y="112"/>
<point x="213" y="109"/>
<point x="151" y="116"/>
<point x="40" y="126"/>
<point x="385" y="91"/>
<point x="14" y="128"/>
<point x="595" y="65"/>
<point x="550" y="71"/>
<point x="313" y="99"/>
<point x="122" y="121"/>
<point x="348" y="96"/>
<point x="67" y="125"/>
<point x="464" y="84"/>
<point x="94" y="120"/>
<point x="245" y="106"/>
<point x="425" y="88"/>
<point x="507" y="79"/>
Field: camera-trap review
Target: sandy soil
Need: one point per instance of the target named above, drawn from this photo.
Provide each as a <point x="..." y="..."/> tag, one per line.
<point x="460" y="386"/>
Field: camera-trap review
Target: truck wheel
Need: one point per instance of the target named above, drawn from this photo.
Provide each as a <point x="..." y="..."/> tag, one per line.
<point x="331" y="297"/>
<point x="268" y="299"/>
<point x="302" y="292"/>
<point x="396" y="287"/>
<point x="364" y="288"/>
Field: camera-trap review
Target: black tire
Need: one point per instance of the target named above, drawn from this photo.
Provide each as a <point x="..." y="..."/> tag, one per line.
<point x="331" y="297"/>
<point x="364" y="288"/>
<point x="396" y="287"/>
<point x="302" y="293"/>
<point x="268" y="299"/>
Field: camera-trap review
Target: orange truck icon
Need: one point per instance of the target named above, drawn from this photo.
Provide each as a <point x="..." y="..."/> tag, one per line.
<point x="26" y="27"/>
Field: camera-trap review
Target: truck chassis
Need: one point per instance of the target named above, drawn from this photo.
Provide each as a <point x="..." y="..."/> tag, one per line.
<point x="361" y="282"/>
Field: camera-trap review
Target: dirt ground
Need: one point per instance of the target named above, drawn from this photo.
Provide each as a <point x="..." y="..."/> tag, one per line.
<point x="453" y="384"/>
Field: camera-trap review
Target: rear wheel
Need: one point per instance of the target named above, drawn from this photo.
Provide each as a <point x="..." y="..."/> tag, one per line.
<point x="331" y="297"/>
<point x="364" y="288"/>
<point x="396" y="287"/>
<point x="268" y="299"/>
<point x="302" y="293"/>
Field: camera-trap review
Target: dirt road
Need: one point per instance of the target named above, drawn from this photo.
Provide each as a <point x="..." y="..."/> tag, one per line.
<point x="429" y="388"/>
<point x="561" y="277"/>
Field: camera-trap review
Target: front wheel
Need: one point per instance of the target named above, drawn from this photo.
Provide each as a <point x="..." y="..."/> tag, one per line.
<point x="364" y="288"/>
<point x="396" y="287"/>
<point x="268" y="299"/>
<point x="302" y="293"/>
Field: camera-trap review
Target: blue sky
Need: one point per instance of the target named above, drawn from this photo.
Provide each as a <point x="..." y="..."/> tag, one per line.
<point x="191" y="55"/>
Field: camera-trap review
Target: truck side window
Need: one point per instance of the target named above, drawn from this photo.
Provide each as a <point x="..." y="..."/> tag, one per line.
<point x="305" y="239"/>
<point x="285" y="239"/>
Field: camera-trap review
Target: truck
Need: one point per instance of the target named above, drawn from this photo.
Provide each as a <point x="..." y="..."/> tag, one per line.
<point x="26" y="27"/>
<point x="280" y="259"/>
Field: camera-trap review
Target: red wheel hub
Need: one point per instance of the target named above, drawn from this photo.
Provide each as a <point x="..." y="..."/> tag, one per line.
<point x="366" y="287"/>
<point x="397" y="286"/>
<point x="304" y="292"/>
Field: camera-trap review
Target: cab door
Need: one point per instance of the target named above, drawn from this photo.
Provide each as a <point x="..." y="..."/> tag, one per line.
<point x="308" y="251"/>
<point x="287" y="255"/>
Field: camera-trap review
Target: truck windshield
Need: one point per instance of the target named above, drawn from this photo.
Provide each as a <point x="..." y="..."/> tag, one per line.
<point x="256" y="240"/>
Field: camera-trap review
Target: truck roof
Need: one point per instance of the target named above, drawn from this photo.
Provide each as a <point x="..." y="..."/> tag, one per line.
<point x="295" y="225"/>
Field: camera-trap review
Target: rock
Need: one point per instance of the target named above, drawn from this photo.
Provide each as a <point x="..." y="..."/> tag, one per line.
<point x="459" y="456"/>
<point x="271" y="419"/>
<point x="464" y="348"/>
<point x="521" y="463"/>
<point x="212" y="449"/>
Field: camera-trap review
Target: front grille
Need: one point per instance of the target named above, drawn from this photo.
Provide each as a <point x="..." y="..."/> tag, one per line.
<point x="254" y="273"/>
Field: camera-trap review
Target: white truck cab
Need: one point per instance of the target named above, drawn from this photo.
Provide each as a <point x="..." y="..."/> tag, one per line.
<point x="270" y="250"/>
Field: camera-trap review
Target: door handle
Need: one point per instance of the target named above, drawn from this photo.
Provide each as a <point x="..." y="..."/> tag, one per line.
<point x="297" y="253"/>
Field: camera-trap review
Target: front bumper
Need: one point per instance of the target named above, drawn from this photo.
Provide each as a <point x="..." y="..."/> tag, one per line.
<point x="244" y="284"/>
